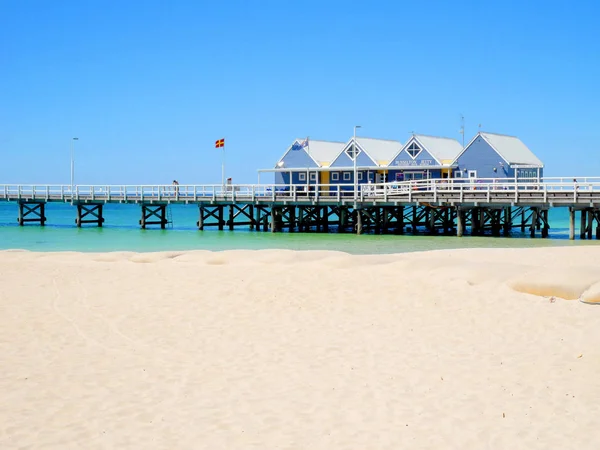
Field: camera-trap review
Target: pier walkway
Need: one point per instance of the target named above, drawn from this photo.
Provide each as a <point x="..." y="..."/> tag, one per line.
<point x="435" y="206"/>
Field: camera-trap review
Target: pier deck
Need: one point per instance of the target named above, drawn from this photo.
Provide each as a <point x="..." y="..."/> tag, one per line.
<point x="487" y="203"/>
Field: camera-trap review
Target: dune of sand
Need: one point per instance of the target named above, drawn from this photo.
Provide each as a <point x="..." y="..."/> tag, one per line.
<point x="275" y="349"/>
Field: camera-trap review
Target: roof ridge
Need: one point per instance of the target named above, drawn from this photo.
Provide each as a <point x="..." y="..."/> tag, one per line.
<point x="436" y="137"/>
<point x="499" y="134"/>
<point x="377" y="139"/>
<point x="319" y="140"/>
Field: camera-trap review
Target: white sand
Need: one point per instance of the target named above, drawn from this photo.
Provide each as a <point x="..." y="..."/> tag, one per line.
<point x="300" y="350"/>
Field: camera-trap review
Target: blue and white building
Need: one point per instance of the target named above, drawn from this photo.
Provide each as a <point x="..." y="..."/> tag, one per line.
<point x="424" y="157"/>
<point x="488" y="155"/>
<point x="491" y="155"/>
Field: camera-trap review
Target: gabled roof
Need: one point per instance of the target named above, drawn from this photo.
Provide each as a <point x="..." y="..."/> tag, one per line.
<point x="321" y="152"/>
<point x="441" y="148"/>
<point x="381" y="151"/>
<point x="511" y="148"/>
<point x="324" y="152"/>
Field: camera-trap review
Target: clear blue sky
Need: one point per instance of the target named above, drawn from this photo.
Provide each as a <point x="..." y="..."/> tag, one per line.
<point x="148" y="86"/>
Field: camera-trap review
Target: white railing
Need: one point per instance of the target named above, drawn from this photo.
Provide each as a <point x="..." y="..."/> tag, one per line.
<point x="339" y="192"/>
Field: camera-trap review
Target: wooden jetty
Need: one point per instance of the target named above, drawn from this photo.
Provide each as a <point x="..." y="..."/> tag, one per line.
<point x="435" y="206"/>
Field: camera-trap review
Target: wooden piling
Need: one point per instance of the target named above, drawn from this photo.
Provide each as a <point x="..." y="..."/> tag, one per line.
<point x="359" y="228"/>
<point x="507" y="225"/>
<point x="534" y="220"/>
<point x="571" y="223"/>
<point x="230" y="218"/>
<point x="583" y="227"/>
<point x="460" y="221"/>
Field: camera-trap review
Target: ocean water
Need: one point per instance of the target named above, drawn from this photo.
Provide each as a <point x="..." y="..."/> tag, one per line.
<point x="121" y="232"/>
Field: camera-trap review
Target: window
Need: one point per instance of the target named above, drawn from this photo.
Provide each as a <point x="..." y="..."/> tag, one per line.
<point x="399" y="176"/>
<point x="313" y="176"/>
<point x="472" y="174"/>
<point x="350" y="151"/>
<point x="457" y="174"/>
<point x="411" y="176"/>
<point x="335" y="176"/>
<point x="347" y="176"/>
<point x="302" y="176"/>
<point x="359" y="176"/>
<point x="413" y="150"/>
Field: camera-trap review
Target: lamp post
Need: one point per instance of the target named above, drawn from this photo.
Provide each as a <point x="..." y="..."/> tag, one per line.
<point x="73" y="162"/>
<point x="354" y="157"/>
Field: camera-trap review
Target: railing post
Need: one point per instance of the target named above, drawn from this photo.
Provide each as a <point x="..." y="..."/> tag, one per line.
<point x="294" y="192"/>
<point x="273" y="192"/>
<point x="339" y="193"/>
<point x="434" y="192"/>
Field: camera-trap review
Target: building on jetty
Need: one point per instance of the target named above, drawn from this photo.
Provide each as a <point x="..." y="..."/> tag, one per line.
<point x="491" y="155"/>
<point x="488" y="155"/>
<point x="424" y="157"/>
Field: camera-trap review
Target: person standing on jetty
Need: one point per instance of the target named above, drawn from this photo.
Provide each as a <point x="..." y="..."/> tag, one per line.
<point x="176" y="187"/>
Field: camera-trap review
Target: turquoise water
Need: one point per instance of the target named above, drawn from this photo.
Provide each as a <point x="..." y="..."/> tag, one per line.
<point x="121" y="231"/>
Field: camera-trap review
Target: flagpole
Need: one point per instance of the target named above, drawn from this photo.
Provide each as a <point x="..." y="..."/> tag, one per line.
<point x="223" y="168"/>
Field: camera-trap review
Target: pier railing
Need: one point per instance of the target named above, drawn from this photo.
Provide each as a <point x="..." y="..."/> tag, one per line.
<point x="279" y="192"/>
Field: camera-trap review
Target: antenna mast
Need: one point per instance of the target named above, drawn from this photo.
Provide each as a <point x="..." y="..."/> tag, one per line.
<point x="462" y="129"/>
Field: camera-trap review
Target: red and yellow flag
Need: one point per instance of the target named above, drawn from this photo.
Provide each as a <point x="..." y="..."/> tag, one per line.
<point x="220" y="143"/>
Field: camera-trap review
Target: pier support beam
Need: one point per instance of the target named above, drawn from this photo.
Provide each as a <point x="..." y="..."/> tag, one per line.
<point x="460" y="222"/>
<point x="359" y="227"/>
<point x="507" y="223"/>
<point x="583" y="226"/>
<point x="94" y="211"/>
<point x="154" y="215"/>
<point x="32" y="212"/>
<point x="475" y="221"/>
<point x="534" y="221"/>
<point x="571" y="223"/>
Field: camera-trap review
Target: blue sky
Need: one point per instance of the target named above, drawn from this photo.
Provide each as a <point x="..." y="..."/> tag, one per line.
<point x="148" y="86"/>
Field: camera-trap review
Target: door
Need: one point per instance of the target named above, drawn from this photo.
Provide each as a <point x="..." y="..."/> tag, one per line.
<point x="324" y="182"/>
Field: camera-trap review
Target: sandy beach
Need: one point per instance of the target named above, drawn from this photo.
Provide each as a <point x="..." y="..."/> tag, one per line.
<point x="465" y="349"/>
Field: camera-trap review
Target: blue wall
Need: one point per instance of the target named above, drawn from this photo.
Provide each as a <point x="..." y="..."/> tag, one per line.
<point x="480" y="156"/>
<point x="422" y="160"/>
<point x="298" y="158"/>
<point x="350" y="182"/>
<point x="284" y="178"/>
<point x="434" y="173"/>
<point x="343" y="160"/>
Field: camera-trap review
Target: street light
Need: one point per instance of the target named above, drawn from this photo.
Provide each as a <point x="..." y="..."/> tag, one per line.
<point x="73" y="162"/>
<point x="354" y="154"/>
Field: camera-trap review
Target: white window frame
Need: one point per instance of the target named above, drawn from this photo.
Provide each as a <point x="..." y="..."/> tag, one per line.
<point x="302" y="176"/>
<point x="359" y="176"/>
<point x="458" y="174"/>
<point x="347" y="176"/>
<point x="472" y="174"/>
<point x="313" y="176"/>
<point x="409" y="148"/>
<point x="335" y="176"/>
<point x="354" y="149"/>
